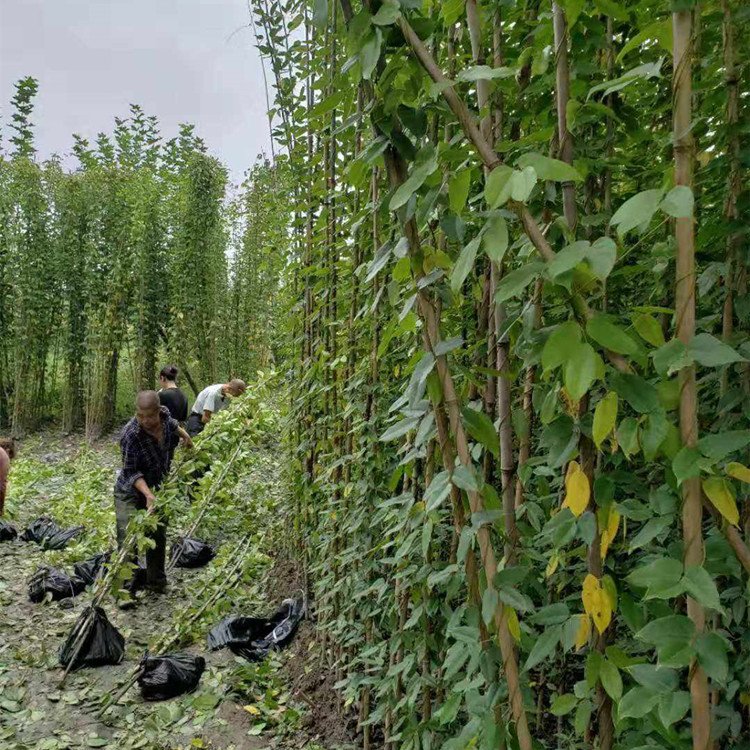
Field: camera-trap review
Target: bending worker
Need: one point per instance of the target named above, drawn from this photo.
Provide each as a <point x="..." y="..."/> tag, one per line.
<point x="148" y="443"/>
<point x="211" y="400"/>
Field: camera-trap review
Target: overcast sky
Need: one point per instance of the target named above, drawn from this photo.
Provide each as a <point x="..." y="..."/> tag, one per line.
<point x="181" y="60"/>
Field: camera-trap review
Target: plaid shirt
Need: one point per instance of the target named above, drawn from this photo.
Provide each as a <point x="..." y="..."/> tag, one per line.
<point x="143" y="457"/>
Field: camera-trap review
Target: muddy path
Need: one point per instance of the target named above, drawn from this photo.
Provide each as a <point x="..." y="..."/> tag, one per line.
<point x="237" y="704"/>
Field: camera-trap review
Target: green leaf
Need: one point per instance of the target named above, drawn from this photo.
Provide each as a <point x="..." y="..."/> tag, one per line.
<point x="712" y="655"/>
<point x="560" y="344"/>
<point x="580" y="371"/>
<point x="642" y="396"/>
<point x="671" y="357"/>
<point x="320" y="13"/>
<point x="659" y="577"/>
<point x="495" y="239"/>
<point x="656" y="679"/>
<point x="660" y="31"/>
<point x="636" y="703"/>
<point x="653" y="434"/>
<point x="671" y="630"/>
<point x="484" y="73"/>
<point x="648" y="329"/>
<point x="514" y="598"/>
<point x="636" y="211"/>
<point x="522" y="183"/>
<point x="685" y="464"/>
<point x="605" y="416"/>
<point x="399" y="429"/>
<point x="549" y="169"/>
<point x="543" y="647"/>
<point x="458" y="190"/>
<point x="465" y="478"/>
<point x="708" y="351"/>
<point x="387" y="14"/>
<point x="601" y="257"/>
<point x="610" y="336"/>
<point x="569" y="257"/>
<point x="678" y="202"/>
<point x="516" y="281"/>
<point x="627" y="436"/>
<point x="673" y="707"/>
<point x="464" y="264"/>
<point x="699" y="584"/>
<point x="489" y="604"/>
<point x="563" y="704"/>
<point x="369" y="54"/>
<point x="497" y="188"/>
<point x="480" y="427"/>
<point x="438" y="489"/>
<point x="719" y="445"/>
<point x="424" y="166"/>
<point x="451" y="11"/>
<point x="611" y="680"/>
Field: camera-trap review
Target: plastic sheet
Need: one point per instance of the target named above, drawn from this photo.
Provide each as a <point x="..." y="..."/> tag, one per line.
<point x="60" y="539"/>
<point x="89" y="570"/>
<point x="55" y="582"/>
<point x="48" y="534"/>
<point x="253" y="637"/>
<point x="7" y="532"/>
<point x="167" y="676"/>
<point x="102" y="642"/>
<point x="191" y="553"/>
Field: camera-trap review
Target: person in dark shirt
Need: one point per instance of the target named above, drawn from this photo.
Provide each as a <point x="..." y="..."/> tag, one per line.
<point x="147" y="443"/>
<point x="171" y="396"/>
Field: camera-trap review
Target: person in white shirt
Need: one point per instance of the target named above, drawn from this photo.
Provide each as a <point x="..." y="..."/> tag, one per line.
<point x="211" y="400"/>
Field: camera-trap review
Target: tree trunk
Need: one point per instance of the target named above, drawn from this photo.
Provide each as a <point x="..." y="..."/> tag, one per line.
<point x="692" y="509"/>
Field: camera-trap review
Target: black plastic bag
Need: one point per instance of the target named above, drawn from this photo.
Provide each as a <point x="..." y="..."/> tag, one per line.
<point x="60" y="539"/>
<point x="253" y="637"/>
<point x="167" y="676"/>
<point x="88" y="570"/>
<point x="55" y="582"/>
<point x="102" y="641"/>
<point x="46" y="532"/>
<point x="40" y="529"/>
<point x="7" y="532"/>
<point x="191" y="553"/>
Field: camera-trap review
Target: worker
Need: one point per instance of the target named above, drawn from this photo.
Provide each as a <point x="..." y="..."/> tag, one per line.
<point x="210" y="401"/>
<point x="7" y="454"/>
<point x="148" y="444"/>
<point x="171" y="396"/>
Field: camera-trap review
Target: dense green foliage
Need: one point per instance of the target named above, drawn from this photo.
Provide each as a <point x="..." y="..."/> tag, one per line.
<point x="119" y="265"/>
<point x="503" y="268"/>
<point x="500" y="457"/>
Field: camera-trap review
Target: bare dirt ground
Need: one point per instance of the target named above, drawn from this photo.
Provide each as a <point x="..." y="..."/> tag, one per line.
<point x="286" y="701"/>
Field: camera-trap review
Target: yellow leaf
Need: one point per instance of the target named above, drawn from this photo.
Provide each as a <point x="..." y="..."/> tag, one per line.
<point x="552" y="565"/>
<point x="738" y="471"/>
<point x="252" y="710"/>
<point x="596" y="602"/>
<point x="610" y="531"/>
<point x="514" y="626"/>
<point x="720" y="493"/>
<point x="605" y="416"/>
<point x="577" y="490"/>
<point x="583" y="632"/>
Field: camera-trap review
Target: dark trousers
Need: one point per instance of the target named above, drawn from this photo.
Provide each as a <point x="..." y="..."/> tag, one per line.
<point x="194" y="426"/>
<point x="125" y="507"/>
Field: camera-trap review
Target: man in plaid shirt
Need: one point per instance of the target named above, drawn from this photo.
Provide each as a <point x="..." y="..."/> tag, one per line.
<point x="147" y="443"/>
